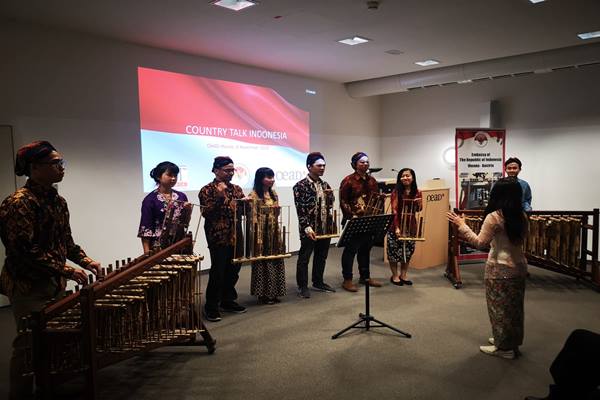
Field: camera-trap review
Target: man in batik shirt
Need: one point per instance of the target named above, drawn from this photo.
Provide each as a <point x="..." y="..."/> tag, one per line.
<point x="311" y="197"/>
<point x="217" y="201"/>
<point x="355" y="191"/>
<point x="34" y="227"/>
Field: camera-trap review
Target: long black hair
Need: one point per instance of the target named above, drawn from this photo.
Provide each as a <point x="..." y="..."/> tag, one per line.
<point x="400" y="186"/>
<point x="261" y="174"/>
<point x="161" y="168"/>
<point x="506" y="195"/>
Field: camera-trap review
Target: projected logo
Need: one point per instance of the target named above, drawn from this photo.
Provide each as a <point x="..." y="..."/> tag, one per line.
<point x="241" y="176"/>
<point x="189" y="120"/>
<point x="183" y="180"/>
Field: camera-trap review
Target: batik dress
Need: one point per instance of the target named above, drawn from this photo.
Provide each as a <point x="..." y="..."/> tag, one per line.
<point x="154" y="207"/>
<point x="268" y="276"/>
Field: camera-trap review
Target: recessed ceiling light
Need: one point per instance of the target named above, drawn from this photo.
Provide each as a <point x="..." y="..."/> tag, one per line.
<point x="235" y="5"/>
<point x="427" y="63"/>
<point x="464" y="81"/>
<point x="354" y="40"/>
<point x="394" y="52"/>
<point x="589" y="35"/>
<point x="536" y="1"/>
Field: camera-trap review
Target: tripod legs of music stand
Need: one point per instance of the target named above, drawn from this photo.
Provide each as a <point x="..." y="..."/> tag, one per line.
<point x="368" y="320"/>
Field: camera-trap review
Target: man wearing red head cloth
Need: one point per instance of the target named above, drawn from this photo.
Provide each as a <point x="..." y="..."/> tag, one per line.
<point x="34" y="228"/>
<point x="355" y="191"/>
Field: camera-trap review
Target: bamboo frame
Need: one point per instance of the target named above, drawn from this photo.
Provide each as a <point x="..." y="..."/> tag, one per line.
<point x="412" y="220"/>
<point x="557" y="241"/>
<point x="264" y="236"/>
<point x="143" y="304"/>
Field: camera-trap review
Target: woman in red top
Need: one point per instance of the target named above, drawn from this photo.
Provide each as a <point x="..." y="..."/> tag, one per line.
<point x="406" y="201"/>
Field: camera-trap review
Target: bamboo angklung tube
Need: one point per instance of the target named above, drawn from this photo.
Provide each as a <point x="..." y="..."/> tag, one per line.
<point x="411" y="220"/>
<point x="264" y="232"/>
<point x="156" y="305"/>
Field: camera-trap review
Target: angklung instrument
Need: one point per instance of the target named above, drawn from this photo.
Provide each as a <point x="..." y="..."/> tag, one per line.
<point x="326" y="217"/>
<point x="556" y="240"/>
<point x="411" y="220"/>
<point x="259" y="232"/>
<point x="137" y="306"/>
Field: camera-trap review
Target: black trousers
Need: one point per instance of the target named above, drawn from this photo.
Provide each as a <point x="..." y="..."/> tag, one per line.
<point x="321" y="249"/>
<point x="359" y="246"/>
<point x="222" y="278"/>
<point x="575" y="368"/>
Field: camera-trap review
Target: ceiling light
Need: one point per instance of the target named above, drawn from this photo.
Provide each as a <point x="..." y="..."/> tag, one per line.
<point x="536" y="1"/>
<point x="464" y="81"/>
<point x="427" y="63"/>
<point x="235" y="5"/>
<point x="394" y="52"/>
<point x="589" y="35"/>
<point x="354" y="40"/>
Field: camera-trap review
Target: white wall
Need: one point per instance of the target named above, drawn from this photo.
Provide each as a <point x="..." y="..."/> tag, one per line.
<point x="80" y="93"/>
<point x="552" y="122"/>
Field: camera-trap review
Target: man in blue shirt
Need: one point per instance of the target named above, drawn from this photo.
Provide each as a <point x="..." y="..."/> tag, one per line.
<point x="513" y="168"/>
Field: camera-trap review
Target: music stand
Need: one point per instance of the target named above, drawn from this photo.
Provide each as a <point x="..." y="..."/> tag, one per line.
<point x="376" y="225"/>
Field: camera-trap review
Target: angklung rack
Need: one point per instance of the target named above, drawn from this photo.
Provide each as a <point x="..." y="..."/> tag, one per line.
<point x="411" y="220"/>
<point x="259" y="233"/>
<point x="326" y="217"/>
<point x="557" y="241"/>
<point x="140" y="305"/>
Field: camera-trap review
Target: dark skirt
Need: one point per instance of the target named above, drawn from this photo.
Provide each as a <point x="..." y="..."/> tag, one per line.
<point x="399" y="250"/>
<point x="268" y="279"/>
<point x="505" y="299"/>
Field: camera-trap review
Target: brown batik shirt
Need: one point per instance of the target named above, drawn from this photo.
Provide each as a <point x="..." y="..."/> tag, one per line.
<point x="355" y="192"/>
<point x="218" y="213"/>
<point x="35" y="230"/>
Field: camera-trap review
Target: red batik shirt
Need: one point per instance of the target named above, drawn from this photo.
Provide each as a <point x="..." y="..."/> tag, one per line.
<point x="355" y="191"/>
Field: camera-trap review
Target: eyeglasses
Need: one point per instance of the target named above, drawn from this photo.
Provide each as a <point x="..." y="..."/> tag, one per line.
<point x="57" y="162"/>
<point x="229" y="171"/>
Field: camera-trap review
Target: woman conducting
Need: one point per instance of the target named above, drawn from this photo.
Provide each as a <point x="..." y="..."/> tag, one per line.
<point x="504" y="229"/>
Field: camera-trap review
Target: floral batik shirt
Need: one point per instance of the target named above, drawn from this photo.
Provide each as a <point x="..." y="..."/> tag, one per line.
<point x="154" y="207"/>
<point x="35" y="230"/>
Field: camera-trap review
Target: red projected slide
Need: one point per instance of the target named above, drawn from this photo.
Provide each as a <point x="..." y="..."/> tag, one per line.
<point x="190" y="119"/>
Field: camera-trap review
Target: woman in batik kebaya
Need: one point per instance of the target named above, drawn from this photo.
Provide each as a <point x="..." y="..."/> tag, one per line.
<point x="161" y="201"/>
<point x="267" y="280"/>
<point x="504" y="230"/>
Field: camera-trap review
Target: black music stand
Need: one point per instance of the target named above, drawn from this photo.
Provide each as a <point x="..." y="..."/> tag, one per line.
<point x="375" y="225"/>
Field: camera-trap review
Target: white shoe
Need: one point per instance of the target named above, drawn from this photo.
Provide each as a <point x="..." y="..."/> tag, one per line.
<point x="493" y="351"/>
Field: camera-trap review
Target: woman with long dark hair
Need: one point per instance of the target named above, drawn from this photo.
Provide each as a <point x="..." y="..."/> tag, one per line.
<point x="267" y="280"/>
<point x="157" y="202"/>
<point x="405" y="201"/>
<point x="504" y="230"/>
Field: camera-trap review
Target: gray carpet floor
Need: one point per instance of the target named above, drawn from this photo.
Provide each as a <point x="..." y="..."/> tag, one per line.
<point x="285" y="351"/>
